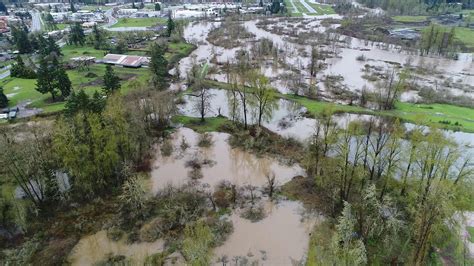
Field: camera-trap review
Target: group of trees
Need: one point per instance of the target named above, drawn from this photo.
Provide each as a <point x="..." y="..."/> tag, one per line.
<point x="76" y="35"/>
<point x="393" y="193"/>
<point x="438" y="40"/>
<point x="52" y="78"/>
<point x="21" y="70"/>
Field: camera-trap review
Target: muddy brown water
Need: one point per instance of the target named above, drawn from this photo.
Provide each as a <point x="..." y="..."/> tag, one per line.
<point x="233" y="165"/>
<point x="98" y="247"/>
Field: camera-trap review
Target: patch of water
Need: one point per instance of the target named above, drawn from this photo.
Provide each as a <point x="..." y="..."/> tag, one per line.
<point x="233" y="165"/>
<point x="98" y="247"/>
<point x="279" y="239"/>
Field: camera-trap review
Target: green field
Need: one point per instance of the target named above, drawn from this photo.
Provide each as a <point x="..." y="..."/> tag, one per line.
<point x="95" y="7"/>
<point x="291" y="10"/>
<point x="90" y="79"/>
<point x="322" y="9"/>
<point x="466" y="36"/>
<point x="70" y="51"/>
<point x="21" y="90"/>
<point x="139" y="22"/>
<point x="408" y="19"/>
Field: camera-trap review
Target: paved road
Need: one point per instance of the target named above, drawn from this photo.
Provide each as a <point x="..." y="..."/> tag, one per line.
<point x="35" y="21"/>
<point x="308" y="7"/>
<point x="110" y="17"/>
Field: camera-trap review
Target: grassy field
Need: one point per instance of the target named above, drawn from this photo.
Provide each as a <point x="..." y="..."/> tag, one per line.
<point x="408" y="19"/>
<point x="90" y="79"/>
<point x="322" y="9"/>
<point x="95" y="7"/>
<point x="466" y="36"/>
<point x="139" y="22"/>
<point x="70" y="51"/>
<point x="291" y="10"/>
<point x="21" y="90"/>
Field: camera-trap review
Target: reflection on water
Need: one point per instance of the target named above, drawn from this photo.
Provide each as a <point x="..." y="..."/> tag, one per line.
<point x="234" y="165"/>
<point x="278" y="239"/>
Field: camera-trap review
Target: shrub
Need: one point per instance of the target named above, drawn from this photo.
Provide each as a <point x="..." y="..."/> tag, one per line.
<point x="114" y="233"/>
<point x="166" y="148"/>
<point x="205" y="140"/>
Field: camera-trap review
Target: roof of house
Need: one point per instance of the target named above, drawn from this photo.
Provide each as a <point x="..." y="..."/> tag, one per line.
<point x="126" y="60"/>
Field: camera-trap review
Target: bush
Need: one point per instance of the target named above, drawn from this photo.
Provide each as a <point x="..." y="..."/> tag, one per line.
<point x="166" y="148"/>
<point x="114" y="233"/>
<point x="205" y="140"/>
<point x="151" y="231"/>
<point x="253" y="213"/>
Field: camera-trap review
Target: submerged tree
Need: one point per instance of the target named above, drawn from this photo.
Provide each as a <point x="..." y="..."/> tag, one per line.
<point x="263" y="94"/>
<point x="203" y="104"/>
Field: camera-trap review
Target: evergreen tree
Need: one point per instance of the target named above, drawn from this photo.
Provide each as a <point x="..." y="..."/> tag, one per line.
<point x="45" y="81"/>
<point x="21" y="40"/>
<point x="52" y="47"/>
<point x="73" y="9"/>
<point x="170" y="24"/>
<point x="77" y="36"/>
<point x="157" y="7"/>
<point x="3" y="8"/>
<point x="20" y="70"/>
<point x="61" y="79"/>
<point x="111" y="81"/>
<point x="51" y="24"/>
<point x="99" y="38"/>
<point x="158" y="66"/>
<point x="3" y="99"/>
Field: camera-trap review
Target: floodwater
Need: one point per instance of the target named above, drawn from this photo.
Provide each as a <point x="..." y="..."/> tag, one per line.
<point x="233" y="165"/>
<point x="98" y="247"/>
<point x="279" y="239"/>
<point x="345" y="64"/>
<point x="286" y="119"/>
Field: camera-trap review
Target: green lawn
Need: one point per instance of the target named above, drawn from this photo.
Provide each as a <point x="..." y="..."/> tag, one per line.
<point x="70" y="51"/>
<point x="291" y="10"/>
<point x="95" y="7"/>
<point x="139" y="22"/>
<point x="408" y="19"/>
<point x="322" y="9"/>
<point x="62" y="26"/>
<point x="466" y="36"/>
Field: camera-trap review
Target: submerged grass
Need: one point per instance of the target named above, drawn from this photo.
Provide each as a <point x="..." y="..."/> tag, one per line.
<point x="210" y="124"/>
<point x="438" y="115"/>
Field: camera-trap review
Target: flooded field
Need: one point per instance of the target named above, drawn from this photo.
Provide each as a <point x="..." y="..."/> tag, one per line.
<point x="452" y="77"/>
<point x="223" y="163"/>
<point x="98" y="247"/>
<point x="279" y="239"/>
